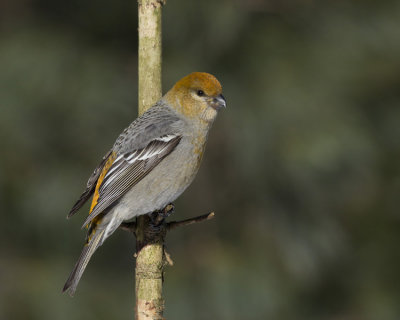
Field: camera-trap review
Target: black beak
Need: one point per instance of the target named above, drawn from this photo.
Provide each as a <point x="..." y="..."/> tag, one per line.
<point x="219" y="102"/>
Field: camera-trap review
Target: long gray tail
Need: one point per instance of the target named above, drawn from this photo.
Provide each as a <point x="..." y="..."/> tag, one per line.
<point x="77" y="272"/>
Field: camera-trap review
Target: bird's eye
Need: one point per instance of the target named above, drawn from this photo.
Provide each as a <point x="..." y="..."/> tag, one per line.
<point x="200" y="93"/>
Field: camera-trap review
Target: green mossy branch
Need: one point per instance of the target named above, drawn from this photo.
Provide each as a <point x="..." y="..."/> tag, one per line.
<point x="150" y="252"/>
<point x="151" y="257"/>
<point x="150" y="47"/>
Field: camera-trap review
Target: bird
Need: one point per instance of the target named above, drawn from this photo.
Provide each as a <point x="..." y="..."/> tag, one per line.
<point x="151" y="163"/>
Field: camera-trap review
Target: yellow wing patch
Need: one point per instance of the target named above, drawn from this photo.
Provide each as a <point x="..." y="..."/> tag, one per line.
<point x="92" y="225"/>
<point x="103" y="173"/>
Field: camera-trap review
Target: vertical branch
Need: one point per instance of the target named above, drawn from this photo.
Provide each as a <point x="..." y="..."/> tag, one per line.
<point x="149" y="53"/>
<point x="150" y="258"/>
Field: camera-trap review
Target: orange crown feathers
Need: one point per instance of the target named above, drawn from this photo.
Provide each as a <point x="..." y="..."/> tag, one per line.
<point x="200" y="80"/>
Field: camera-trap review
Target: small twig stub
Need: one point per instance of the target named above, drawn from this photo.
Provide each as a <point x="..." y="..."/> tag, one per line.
<point x="174" y="224"/>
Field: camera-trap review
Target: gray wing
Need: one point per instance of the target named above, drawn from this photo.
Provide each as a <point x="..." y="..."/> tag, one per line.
<point x="129" y="168"/>
<point x="156" y="122"/>
<point x="90" y="186"/>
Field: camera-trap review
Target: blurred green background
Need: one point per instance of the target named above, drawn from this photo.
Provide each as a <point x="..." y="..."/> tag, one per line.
<point x="302" y="168"/>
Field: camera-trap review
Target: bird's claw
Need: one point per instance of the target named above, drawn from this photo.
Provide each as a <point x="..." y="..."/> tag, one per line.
<point x="167" y="211"/>
<point x="158" y="217"/>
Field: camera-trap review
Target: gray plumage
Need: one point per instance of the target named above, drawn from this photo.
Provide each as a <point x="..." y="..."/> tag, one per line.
<point x="151" y="163"/>
<point x="90" y="186"/>
<point x="158" y="133"/>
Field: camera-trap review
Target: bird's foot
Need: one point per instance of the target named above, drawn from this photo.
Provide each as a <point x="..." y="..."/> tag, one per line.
<point x="158" y="217"/>
<point x="167" y="211"/>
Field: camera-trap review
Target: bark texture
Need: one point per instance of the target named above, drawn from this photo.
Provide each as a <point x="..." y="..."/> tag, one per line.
<point x="149" y="53"/>
<point x="149" y="242"/>
<point x="150" y="263"/>
<point x="150" y="233"/>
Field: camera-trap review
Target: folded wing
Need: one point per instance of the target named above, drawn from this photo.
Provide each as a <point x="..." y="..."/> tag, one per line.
<point x="90" y="186"/>
<point x="128" y="169"/>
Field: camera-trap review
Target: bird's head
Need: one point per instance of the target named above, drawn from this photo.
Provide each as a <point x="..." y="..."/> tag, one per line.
<point x="197" y="96"/>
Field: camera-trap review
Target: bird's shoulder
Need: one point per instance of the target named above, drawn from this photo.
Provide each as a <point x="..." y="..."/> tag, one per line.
<point x="158" y="121"/>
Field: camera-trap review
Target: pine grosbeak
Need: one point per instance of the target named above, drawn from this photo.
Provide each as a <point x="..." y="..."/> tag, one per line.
<point x="151" y="163"/>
